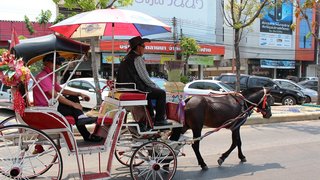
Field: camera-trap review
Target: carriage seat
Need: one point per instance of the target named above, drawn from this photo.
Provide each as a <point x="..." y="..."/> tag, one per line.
<point x="107" y="121"/>
<point x="46" y="120"/>
<point x="130" y="96"/>
<point x="70" y="120"/>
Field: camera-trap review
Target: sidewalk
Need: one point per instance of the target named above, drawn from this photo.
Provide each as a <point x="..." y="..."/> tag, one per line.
<point x="287" y="113"/>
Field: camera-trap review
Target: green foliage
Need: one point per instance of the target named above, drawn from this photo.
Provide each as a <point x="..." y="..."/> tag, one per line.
<point x="44" y="17"/>
<point x="21" y="37"/>
<point x="88" y="5"/>
<point x="59" y="18"/>
<point x="240" y="14"/>
<point x="36" y="67"/>
<point x="184" y="79"/>
<point x="189" y="46"/>
<point x="3" y="50"/>
<point x="28" y="25"/>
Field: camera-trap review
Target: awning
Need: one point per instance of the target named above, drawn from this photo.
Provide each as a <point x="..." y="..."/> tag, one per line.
<point x="33" y="49"/>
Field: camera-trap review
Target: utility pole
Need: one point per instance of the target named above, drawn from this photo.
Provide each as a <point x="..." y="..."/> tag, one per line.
<point x="174" y="22"/>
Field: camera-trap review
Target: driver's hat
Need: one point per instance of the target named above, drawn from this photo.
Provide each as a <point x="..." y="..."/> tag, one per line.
<point x="134" y="42"/>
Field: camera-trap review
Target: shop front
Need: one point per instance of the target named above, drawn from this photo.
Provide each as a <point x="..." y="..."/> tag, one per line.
<point x="156" y="54"/>
<point x="273" y="68"/>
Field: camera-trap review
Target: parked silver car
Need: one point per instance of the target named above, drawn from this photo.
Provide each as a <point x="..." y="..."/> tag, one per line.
<point x="311" y="95"/>
<point x="205" y="87"/>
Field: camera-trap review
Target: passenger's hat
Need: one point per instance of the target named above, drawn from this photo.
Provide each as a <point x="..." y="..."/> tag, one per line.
<point x="134" y="42"/>
<point x="49" y="58"/>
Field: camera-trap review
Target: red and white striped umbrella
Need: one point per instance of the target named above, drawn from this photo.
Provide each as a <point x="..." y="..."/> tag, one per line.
<point x="110" y="22"/>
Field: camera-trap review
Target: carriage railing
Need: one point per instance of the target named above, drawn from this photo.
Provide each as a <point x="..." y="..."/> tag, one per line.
<point x="53" y="101"/>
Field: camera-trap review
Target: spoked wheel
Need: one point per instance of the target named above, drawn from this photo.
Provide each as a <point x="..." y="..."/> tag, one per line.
<point x="9" y="121"/>
<point x="27" y="153"/>
<point x="125" y="148"/>
<point x="158" y="161"/>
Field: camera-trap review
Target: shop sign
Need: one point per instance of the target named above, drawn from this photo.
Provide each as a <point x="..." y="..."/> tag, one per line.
<point x="279" y="64"/>
<point x="201" y="60"/>
<point x="161" y="47"/>
<point x="107" y="58"/>
<point x="166" y="57"/>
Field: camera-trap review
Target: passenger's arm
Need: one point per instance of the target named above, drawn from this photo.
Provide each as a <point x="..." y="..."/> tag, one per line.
<point x="67" y="102"/>
<point x="72" y="93"/>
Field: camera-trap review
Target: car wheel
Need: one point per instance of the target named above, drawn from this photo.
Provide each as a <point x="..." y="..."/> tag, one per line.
<point x="289" y="100"/>
<point x="308" y="99"/>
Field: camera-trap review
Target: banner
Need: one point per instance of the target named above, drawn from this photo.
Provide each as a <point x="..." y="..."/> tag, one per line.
<point x="279" y="64"/>
<point x="277" y="19"/>
<point x="201" y="60"/>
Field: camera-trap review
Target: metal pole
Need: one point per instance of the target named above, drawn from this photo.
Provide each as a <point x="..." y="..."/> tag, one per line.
<point x="112" y="52"/>
<point x="174" y="22"/>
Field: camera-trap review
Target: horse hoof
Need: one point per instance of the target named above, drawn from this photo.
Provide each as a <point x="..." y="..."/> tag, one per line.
<point x="204" y="167"/>
<point x="243" y="160"/>
<point x="220" y="161"/>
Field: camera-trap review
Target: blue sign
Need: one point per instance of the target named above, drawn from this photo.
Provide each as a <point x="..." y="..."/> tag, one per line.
<point x="277" y="18"/>
<point x="279" y="64"/>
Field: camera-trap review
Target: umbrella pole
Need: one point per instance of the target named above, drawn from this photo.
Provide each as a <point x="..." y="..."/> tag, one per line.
<point x="112" y="52"/>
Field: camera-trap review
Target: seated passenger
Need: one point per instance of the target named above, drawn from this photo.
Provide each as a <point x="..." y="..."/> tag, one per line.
<point x="132" y="69"/>
<point x="69" y="105"/>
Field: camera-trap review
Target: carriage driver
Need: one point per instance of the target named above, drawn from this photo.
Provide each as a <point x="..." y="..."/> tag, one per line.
<point x="132" y="69"/>
<point x="69" y="105"/>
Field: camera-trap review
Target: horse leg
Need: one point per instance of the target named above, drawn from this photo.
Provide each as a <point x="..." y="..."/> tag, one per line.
<point x="175" y="135"/>
<point x="235" y="142"/>
<point x="240" y="154"/>
<point x="196" y="147"/>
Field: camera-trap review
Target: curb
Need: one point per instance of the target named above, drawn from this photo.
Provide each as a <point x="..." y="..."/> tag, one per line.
<point x="258" y="119"/>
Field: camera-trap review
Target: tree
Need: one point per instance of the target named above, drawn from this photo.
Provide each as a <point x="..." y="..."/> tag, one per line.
<point x="189" y="46"/>
<point x="88" y="5"/>
<point x="240" y="14"/>
<point x="85" y="5"/>
<point x="28" y="25"/>
<point x="313" y="25"/>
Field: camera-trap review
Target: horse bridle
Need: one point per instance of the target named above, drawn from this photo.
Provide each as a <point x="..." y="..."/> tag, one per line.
<point x="263" y="100"/>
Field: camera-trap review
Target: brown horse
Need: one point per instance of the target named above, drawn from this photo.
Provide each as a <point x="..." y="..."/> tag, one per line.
<point x="223" y="111"/>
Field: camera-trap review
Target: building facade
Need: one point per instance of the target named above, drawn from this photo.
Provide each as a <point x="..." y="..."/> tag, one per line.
<point x="271" y="48"/>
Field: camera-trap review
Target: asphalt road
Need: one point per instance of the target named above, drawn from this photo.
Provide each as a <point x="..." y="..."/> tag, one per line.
<point x="279" y="151"/>
<point x="274" y="151"/>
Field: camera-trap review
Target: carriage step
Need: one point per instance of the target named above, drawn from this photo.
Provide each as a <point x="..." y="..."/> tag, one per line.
<point x="96" y="176"/>
<point x="174" y="124"/>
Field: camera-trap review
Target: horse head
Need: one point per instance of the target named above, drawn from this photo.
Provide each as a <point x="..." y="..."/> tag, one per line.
<point x="260" y="98"/>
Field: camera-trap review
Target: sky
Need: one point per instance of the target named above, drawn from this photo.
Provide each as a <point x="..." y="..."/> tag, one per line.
<point x="15" y="10"/>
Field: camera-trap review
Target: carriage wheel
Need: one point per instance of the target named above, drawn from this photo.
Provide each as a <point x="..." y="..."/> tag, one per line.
<point x="125" y="148"/>
<point x="9" y="121"/>
<point x="27" y="153"/>
<point x="159" y="161"/>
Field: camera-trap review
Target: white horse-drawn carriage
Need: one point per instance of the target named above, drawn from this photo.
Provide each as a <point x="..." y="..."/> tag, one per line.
<point x="31" y="147"/>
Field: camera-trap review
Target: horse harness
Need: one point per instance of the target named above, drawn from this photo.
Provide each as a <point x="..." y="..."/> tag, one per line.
<point x="241" y="118"/>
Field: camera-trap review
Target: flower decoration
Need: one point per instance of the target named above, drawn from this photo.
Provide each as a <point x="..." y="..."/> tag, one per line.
<point x="13" y="71"/>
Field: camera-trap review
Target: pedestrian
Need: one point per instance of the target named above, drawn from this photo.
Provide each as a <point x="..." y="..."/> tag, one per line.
<point x="69" y="104"/>
<point x="132" y="69"/>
